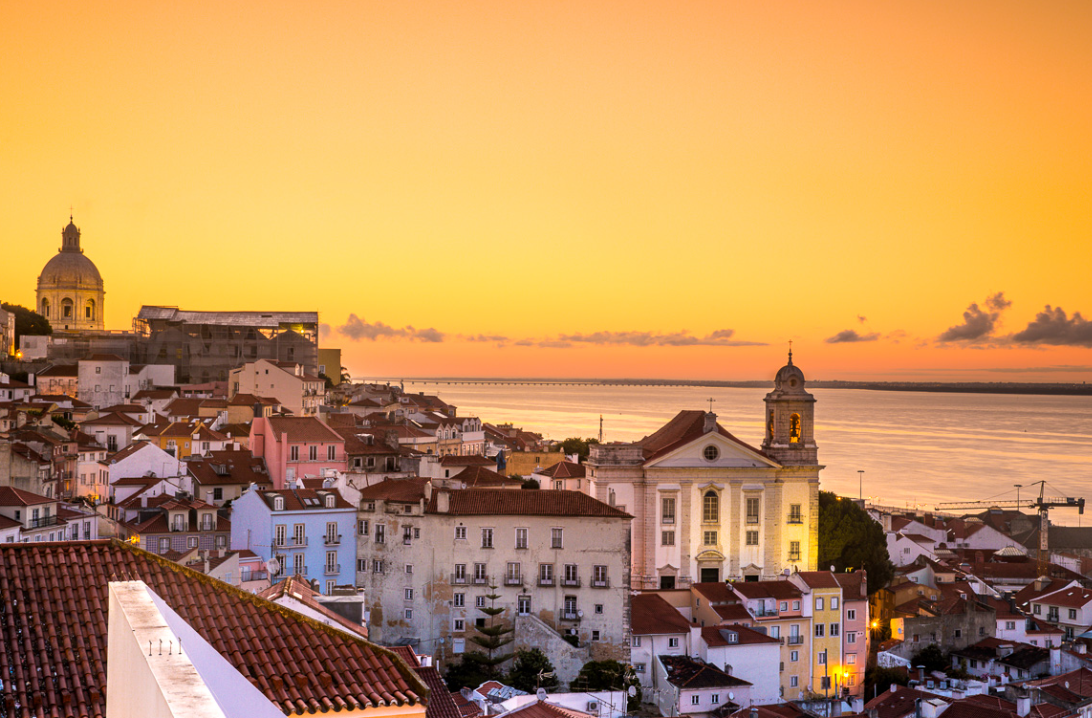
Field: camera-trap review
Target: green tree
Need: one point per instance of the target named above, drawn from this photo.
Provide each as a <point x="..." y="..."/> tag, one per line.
<point x="27" y="321"/>
<point x="576" y="445"/>
<point x="493" y="638"/>
<point x="530" y="484"/>
<point x="467" y="673"/>
<point x="532" y="670"/>
<point x="880" y="679"/>
<point x="932" y="658"/>
<point x="850" y="539"/>
<point x="608" y="676"/>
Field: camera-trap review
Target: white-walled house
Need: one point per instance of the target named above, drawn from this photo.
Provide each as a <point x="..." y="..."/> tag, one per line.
<point x="905" y="548"/>
<point x="144" y="458"/>
<point x="747" y="654"/>
<point x="1070" y="608"/>
<point x="696" y="689"/>
<point x="657" y="628"/>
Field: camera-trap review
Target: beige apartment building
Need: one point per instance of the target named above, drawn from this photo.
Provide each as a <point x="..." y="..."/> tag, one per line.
<point x="429" y="557"/>
<point x="709" y="507"/>
<point x="287" y="382"/>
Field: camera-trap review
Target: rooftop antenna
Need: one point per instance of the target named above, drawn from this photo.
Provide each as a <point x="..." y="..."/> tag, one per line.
<point x="710" y="400"/>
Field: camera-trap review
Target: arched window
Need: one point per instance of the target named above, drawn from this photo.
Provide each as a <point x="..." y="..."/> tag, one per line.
<point x="45" y="308"/>
<point x="794" y="429"/>
<point x="710" y="507"/>
<point x="89" y="310"/>
<point x="66" y="308"/>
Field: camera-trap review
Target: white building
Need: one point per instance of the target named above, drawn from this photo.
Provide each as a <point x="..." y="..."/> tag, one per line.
<point x="710" y="507"/>
<point x="102" y="380"/>
<point x="287" y="382"/>
<point x="747" y="654"/>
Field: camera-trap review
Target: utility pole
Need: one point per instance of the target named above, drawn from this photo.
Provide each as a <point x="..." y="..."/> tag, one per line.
<point x="860" y="485"/>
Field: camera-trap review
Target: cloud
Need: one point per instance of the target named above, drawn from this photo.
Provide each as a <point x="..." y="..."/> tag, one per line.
<point x="721" y="337"/>
<point x="324" y="330"/>
<point x="1052" y="326"/>
<point x="1057" y="368"/>
<point x="850" y="336"/>
<point x="524" y="343"/>
<point x="485" y="338"/>
<point x="977" y="323"/>
<point x="553" y="344"/>
<point x="356" y="329"/>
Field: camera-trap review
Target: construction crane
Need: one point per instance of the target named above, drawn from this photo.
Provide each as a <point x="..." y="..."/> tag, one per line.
<point x="1043" y="504"/>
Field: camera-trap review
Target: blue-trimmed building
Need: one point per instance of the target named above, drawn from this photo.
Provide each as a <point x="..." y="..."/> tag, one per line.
<point x="310" y="533"/>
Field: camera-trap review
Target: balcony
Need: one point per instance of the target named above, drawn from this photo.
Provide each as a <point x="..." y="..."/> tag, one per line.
<point x="296" y="571"/>
<point x="457" y="580"/>
<point x="570" y="582"/>
<point x="795" y="640"/>
<point x="513" y="580"/>
<point x="752" y="519"/>
<point x="570" y="616"/>
<point x="208" y="526"/>
<point x="179" y="528"/>
<point x="545" y="581"/>
<point x="481" y="580"/>
<point x="299" y="542"/>
<point x="43" y="522"/>
<point x="600" y="583"/>
<point x="763" y="612"/>
<point x="795" y="519"/>
<point x="332" y="569"/>
<point x="332" y="540"/>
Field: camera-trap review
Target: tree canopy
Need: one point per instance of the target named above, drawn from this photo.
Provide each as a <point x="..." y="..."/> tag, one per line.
<point x="27" y="321"/>
<point x="850" y="539"/>
<point x="578" y="446"/>
<point x="532" y="670"/>
<point x="608" y="676"/>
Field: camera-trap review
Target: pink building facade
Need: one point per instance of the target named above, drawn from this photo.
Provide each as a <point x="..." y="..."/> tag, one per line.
<point x="297" y="447"/>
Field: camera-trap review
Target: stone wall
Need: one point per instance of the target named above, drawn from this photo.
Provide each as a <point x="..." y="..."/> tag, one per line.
<point x="533" y="632"/>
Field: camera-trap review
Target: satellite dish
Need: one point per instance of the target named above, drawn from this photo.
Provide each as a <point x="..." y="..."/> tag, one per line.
<point x="273" y="565"/>
<point x="632" y="691"/>
<point x="541" y="694"/>
<point x="731" y="696"/>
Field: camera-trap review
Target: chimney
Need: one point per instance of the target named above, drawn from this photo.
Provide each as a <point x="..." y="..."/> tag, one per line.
<point x="443" y="501"/>
<point x="710" y="424"/>
<point x="1023" y="704"/>
<point x="917" y="708"/>
<point x="857" y="705"/>
<point x="894" y="687"/>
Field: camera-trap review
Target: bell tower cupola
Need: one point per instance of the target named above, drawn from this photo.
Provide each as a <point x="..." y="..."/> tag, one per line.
<point x="790" y="419"/>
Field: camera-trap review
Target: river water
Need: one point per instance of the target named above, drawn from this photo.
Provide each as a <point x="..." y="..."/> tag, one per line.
<point x="916" y="448"/>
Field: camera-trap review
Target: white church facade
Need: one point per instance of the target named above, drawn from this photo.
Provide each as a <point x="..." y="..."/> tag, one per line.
<point x="708" y="506"/>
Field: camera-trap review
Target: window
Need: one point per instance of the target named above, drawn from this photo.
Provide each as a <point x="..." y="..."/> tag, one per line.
<point x="523" y="605"/>
<point x="512" y="573"/>
<point x="599" y="577"/>
<point x="796" y="605"/>
<point x="851" y="637"/>
<point x="191" y="542"/>
<point x="819" y="629"/>
<point x="381" y="533"/>
<point x="409" y="569"/>
<point x="822" y="658"/>
<point x="293" y="453"/>
<point x="278" y="503"/>
<point x="794" y="656"/>
<point x="794" y="681"/>
<point x="330" y="452"/>
<point x="639" y="667"/>
<point x="1035" y="609"/>
<point x="635" y="642"/>
<point x="672" y="642"/>
<point x="710" y="511"/>
<point x="752" y="510"/>
<point x="833" y="602"/>
<point x="835" y="629"/>
<point x="851" y="614"/>
<point x="458" y="600"/>
<point x="362" y="564"/>
<point x="164" y="545"/>
<point x="521" y="538"/>
<point x="571" y="577"/>
<point x="709" y="538"/>
<point x="599" y="609"/>
<point x="695" y="699"/>
<point x="794" y="428"/>
<point x="460" y="625"/>
<point x="595" y="635"/>
<point x="546" y="574"/>
<point x="460" y="573"/>
<point x="487" y="538"/>
<point x="409" y="594"/>
<point x="409" y="614"/>
<point x="559" y="485"/>
<point x="851" y="659"/>
<point x="667" y="506"/>
<point x="959" y="633"/>
<point x="795" y="515"/>
<point x="818" y="603"/>
<point x="479" y="601"/>
<point x="479" y="573"/>
<point x="557" y="538"/>
<point x="714" y="698"/>
<point x="752" y="538"/>
<point x="1010" y="625"/>
<point x="1072" y="613"/>
<point x="667" y="538"/>
<point x="280" y="534"/>
<point x="407" y="535"/>
<point x="460" y="533"/>
<point x="298" y="536"/>
<point x="312" y="453"/>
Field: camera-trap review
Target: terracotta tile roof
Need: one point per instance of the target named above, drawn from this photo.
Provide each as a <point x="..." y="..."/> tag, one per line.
<point x="301" y="499"/>
<point x="103" y="357"/>
<point x="565" y="470"/>
<point x="715" y="636"/>
<point x="685" y="672"/>
<point x="685" y="427"/>
<point x="467" y="708"/>
<point x="778" y="710"/>
<point x="1073" y="597"/>
<point x="126" y="408"/>
<point x="299" y="589"/>
<point x="160" y="524"/>
<point x="229" y="467"/>
<point x="976" y="709"/>
<point x="154" y="394"/>
<point x="113" y="418"/>
<point x="732" y="612"/>
<point x="60" y="370"/>
<point x="303" y="428"/>
<point x="650" y="615"/>
<point x="184" y="407"/>
<point x="409" y="490"/>
<point x="506" y="502"/>
<point x="251" y="400"/>
<point x="128" y="451"/>
<point x="440" y="702"/>
<point x="56" y="594"/>
<point x="853" y="585"/>
<point x="780" y="590"/>
<point x="6" y="523"/>
<point x="819" y="579"/>
<point x="897" y="704"/>
<point x="356" y="442"/>
<point x="1078" y="682"/>
<point x="716" y="592"/>
<point x="471" y="460"/>
<point x="10" y="496"/>
<point x="542" y="709"/>
<point x="481" y="477"/>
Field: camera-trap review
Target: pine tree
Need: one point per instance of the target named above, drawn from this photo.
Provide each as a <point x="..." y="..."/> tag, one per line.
<point x="493" y="637"/>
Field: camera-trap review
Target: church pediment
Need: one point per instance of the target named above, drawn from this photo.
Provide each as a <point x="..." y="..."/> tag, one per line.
<point x="710" y="555"/>
<point x="714" y="450"/>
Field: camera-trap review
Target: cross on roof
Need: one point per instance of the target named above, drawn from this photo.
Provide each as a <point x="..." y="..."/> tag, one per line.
<point x="711" y="400"/>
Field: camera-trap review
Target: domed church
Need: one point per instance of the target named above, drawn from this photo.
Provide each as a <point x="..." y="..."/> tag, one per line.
<point x="70" y="289"/>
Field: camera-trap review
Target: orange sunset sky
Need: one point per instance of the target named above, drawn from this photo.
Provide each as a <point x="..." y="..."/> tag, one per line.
<point x="574" y="188"/>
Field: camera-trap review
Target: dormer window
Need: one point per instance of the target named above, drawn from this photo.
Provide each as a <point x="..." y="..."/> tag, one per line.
<point x="329" y="501"/>
<point x="278" y="503"/>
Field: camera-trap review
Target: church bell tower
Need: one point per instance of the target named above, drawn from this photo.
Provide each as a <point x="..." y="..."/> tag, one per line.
<point x="790" y="419"/>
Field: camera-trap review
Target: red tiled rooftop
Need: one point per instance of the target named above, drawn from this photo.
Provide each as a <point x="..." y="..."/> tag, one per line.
<point x="506" y="502"/>
<point x="650" y="615"/>
<point x="55" y="596"/>
<point x="714" y="636"/>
